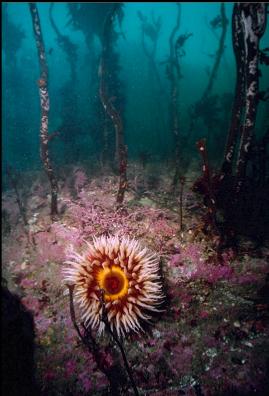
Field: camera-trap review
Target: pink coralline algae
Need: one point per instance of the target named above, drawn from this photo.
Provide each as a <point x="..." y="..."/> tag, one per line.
<point x="48" y="248"/>
<point x="31" y="303"/>
<point x="175" y="260"/>
<point x="192" y="264"/>
<point x="212" y="273"/>
<point x="49" y="375"/>
<point x="70" y="368"/>
<point x="215" y="315"/>
<point x="204" y="314"/>
<point x="85" y="381"/>
<point x="27" y="283"/>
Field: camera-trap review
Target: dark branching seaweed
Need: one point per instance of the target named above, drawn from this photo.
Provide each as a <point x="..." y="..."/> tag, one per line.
<point x="117" y="342"/>
<point x="243" y="186"/>
<point x="204" y="186"/>
<point x="241" y="194"/>
<point x="114" y="372"/>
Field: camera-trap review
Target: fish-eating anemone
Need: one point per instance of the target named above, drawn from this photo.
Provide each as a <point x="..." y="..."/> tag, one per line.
<point x="125" y="273"/>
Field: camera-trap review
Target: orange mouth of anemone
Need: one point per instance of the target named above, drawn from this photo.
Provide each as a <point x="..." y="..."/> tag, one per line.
<point x="114" y="283"/>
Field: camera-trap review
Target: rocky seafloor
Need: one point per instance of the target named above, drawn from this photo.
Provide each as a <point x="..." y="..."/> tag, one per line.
<point x="212" y="337"/>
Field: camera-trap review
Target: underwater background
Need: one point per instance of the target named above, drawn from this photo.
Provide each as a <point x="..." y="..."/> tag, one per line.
<point x="125" y="122"/>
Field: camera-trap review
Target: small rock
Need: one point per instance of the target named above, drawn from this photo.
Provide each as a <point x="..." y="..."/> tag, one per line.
<point x="247" y="343"/>
<point x="236" y="324"/>
<point x="147" y="202"/>
<point x="156" y="333"/>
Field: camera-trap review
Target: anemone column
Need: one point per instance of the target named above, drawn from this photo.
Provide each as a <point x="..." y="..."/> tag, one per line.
<point x="45" y="106"/>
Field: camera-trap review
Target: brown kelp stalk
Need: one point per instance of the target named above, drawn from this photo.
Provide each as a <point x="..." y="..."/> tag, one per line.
<point x="239" y="98"/>
<point x="44" y="100"/>
<point x="89" y="20"/>
<point x="206" y="107"/>
<point x="67" y="46"/>
<point x="223" y="22"/>
<point x="173" y="73"/>
<point x="152" y="31"/>
<point x="112" y="373"/>
<point x="149" y="38"/>
<point x="253" y="19"/>
<point x="110" y="110"/>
